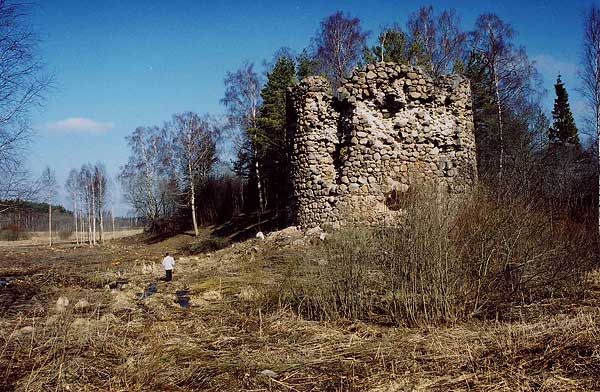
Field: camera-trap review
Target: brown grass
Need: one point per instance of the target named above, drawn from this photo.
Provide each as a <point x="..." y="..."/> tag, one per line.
<point x="229" y="336"/>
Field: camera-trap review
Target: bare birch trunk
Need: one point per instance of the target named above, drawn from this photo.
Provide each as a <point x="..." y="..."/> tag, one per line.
<point x="50" y="221"/>
<point x="75" y="217"/>
<point x="100" y="208"/>
<point x="500" y="126"/>
<point x="101" y="226"/>
<point x="258" y="184"/>
<point x="93" y="216"/>
<point x="193" y="195"/>
<point x="89" y="216"/>
<point x="81" y="224"/>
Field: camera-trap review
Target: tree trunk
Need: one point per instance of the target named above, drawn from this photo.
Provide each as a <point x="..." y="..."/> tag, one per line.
<point x="193" y="195"/>
<point x="112" y="215"/>
<point x="100" y="208"/>
<point x="75" y="217"/>
<point x="89" y="216"/>
<point x="258" y="184"/>
<point x="81" y="224"/>
<point x="598" y="136"/>
<point x="93" y="216"/>
<point x="500" y="126"/>
<point x="101" y="226"/>
<point x="50" y="221"/>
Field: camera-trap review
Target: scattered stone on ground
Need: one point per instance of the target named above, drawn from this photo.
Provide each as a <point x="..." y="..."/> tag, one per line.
<point x="82" y="304"/>
<point x="269" y="373"/>
<point x="61" y="304"/>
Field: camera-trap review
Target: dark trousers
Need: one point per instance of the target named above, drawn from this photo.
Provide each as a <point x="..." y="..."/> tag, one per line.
<point x="169" y="275"/>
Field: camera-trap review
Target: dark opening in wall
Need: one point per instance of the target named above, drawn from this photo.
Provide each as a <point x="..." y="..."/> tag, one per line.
<point x="393" y="200"/>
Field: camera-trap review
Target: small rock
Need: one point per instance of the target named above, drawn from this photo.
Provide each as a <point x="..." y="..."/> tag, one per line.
<point x="260" y="235"/>
<point x="26" y="330"/>
<point x="269" y="373"/>
<point x="314" y="230"/>
<point x="82" y="304"/>
<point x="61" y="304"/>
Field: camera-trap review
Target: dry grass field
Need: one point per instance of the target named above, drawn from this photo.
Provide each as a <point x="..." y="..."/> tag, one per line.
<point x="41" y="238"/>
<point x="75" y="318"/>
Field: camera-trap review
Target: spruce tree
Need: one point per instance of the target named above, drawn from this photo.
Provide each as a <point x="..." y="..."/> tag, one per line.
<point x="271" y="135"/>
<point x="563" y="128"/>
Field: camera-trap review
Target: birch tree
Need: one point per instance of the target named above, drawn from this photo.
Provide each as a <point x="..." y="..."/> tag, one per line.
<point x="339" y="44"/>
<point x="146" y="176"/>
<point x="49" y="185"/>
<point x="100" y="184"/>
<point x="242" y="101"/>
<point x="86" y="176"/>
<point x="195" y="153"/>
<point x="590" y="74"/>
<point x="72" y="190"/>
<point x="506" y="72"/>
<point x="440" y="42"/>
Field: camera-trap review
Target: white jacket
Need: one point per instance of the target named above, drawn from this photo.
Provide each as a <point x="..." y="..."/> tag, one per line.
<point x="168" y="263"/>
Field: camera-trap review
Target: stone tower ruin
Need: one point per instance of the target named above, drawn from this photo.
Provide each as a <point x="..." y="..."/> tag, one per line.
<point x="390" y="128"/>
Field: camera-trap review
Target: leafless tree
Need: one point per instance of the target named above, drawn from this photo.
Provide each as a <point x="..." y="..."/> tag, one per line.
<point x="146" y="178"/>
<point x="590" y="73"/>
<point x="100" y="187"/>
<point x="242" y="100"/>
<point x="439" y="37"/>
<point x="48" y="181"/>
<point x="509" y="69"/>
<point x="72" y="190"/>
<point x="86" y="176"/>
<point x="338" y="46"/>
<point x="22" y="82"/>
<point x="195" y="153"/>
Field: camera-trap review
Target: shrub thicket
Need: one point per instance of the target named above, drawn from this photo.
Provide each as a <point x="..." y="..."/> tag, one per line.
<point x="479" y="258"/>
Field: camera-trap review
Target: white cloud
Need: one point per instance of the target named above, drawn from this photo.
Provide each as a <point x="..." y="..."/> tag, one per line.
<point x="550" y="66"/>
<point x="78" y="125"/>
<point x="580" y="108"/>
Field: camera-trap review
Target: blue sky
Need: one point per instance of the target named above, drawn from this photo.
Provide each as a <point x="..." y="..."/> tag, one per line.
<point x="121" y="64"/>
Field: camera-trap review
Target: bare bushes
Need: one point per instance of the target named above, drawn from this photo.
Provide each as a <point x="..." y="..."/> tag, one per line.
<point x="516" y="252"/>
<point x="444" y="263"/>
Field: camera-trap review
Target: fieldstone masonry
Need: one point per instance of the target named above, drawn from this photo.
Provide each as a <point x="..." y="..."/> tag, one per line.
<point x="389" y="128"/>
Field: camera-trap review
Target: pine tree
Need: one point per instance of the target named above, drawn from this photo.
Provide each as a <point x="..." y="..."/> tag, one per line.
<point x="563" y="129"/>
<point x="271" y="135"/>
<point x="306" y="65"/>
<point x="392" y="46"/>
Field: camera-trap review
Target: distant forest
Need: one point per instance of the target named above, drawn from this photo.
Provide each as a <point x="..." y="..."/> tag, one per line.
<point x="31" y="216"/>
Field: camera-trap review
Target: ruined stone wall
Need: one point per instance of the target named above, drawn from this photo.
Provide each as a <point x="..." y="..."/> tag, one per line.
<point x="390" y="128"/>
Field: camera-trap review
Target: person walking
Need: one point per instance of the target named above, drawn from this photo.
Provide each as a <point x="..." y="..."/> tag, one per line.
<point x="168" y="264"/>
